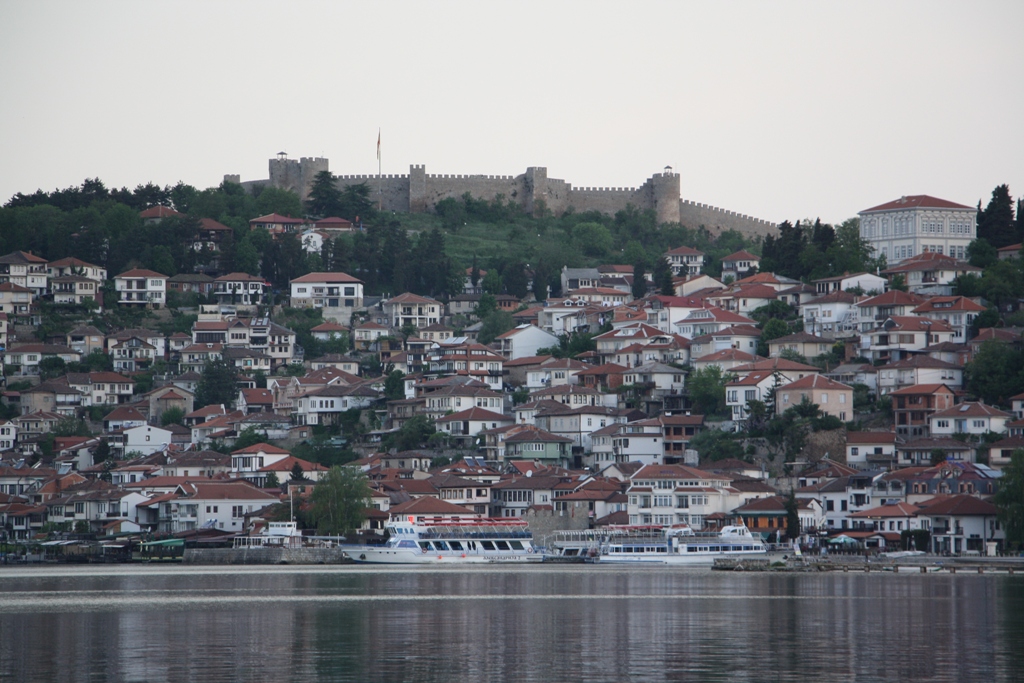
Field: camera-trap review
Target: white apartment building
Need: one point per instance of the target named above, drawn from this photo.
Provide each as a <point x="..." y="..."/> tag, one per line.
<point x="914" y="224"/>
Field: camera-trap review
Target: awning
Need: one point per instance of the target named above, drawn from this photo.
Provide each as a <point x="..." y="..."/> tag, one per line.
<point x="170" y="542"/>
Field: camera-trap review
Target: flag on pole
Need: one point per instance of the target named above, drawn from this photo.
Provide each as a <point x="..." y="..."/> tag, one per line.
<point x="378" y="144"/>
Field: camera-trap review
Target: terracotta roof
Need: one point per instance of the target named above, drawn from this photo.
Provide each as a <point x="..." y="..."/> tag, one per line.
<point x="741" y="255"/>
<point x="870" y="437"/>
<point x="159" y="212"/>
<point x="327" y="277"/>
<point x="261" y="447"/>
<point x="958" y="505"/>
<point x="476" y="414"/>
<point x="684" y="251"/>
<point x="916" y="201"/>
<point x="142" y="272"/>
<point x="428" y="505"/>
<point x="817" y="382"/>
<point x="277" y="218"/>
<point x="972" y="409"/>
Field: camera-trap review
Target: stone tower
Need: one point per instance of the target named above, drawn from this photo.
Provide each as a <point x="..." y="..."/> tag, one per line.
<point x="296" y="176"/>
<point x="665" y="193"/>
<point x="418" y="188"/>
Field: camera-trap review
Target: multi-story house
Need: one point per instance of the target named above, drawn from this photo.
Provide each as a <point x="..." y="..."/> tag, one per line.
<point x="74" y="289"/>
<point x="577" y="424"/>
<point x="411" y="309"/>
<point x="85" y="340"/>
<point x="473" y="360"/>
<point x="917" y="224"/>
<point x="554" y="372"/>
<point x="195" y="357"/>
<point x="325" y="405"/>
<point x="102" y="388"/>
<point x="131" y="354"/>
<point x="466" y="425"/>
<point x="27" y="357"/>
<point x="899" y="336"/>
<point x="677" y="494"/>
<point x="190" y="283"/>
<point x="913" y="406"/>
<point x="540" y="445"/>
<point x="212" y="505"/>
<point x="239" y="289"/>
<point x="831" y="397"/>
<point x="958" y="312"/>
<point x="513" y="497"/>
<point x="25" y="270"/>
<point x="804" y="343"/>
<point x="969" y="417"/>
<point x="870" y="450"/>
<point x="931" y="273"/>
<point x="15" y="300"/>
<point x="753" y="386"/>
<point x="708" y="321"/>
<point x="917" y="369"/>
<point x="339" y="295"/>
<point x="141" y="287"/>
<point x="685" y="261"/>
<point x="75" y="266"/>
<point x="833" y="315"/>
<point x="739" y="265"/>
<point x="523" y="341"/>
<point x="867" y="282"/>
<point x="874" y="311"/>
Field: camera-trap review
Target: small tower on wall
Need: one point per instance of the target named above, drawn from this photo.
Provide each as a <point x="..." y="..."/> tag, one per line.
<point x="665" y="195"/>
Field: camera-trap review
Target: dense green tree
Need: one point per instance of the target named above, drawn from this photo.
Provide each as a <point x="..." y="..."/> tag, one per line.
<point x="217" y="384"/>
<point x="413" y="434"/>
<point x="492" y="282"/>
<point x="981" y="253"/>
<point x="172" y="416"/>
<point x="1010" y="500"/>
<point x="570" y="345"/>
<point x="773" y="329"/>
<point x="250" y="436"/>
<point x="662" y="275"/>
<point x="394" y="385"/>
<point x="707" y="391"/>
<point x="996" y="223"/>
<point x="272" y="482"/>
<point x="514" y="279"/>
<point x="324" y="196"/>
<point x="639" y="288"/>
<point x="358" y="203"/>
<point x="340" y="500"/>
<point x="496" y="322"/>
<point x="792" y="517"/>
<point x="714" y="444"/>
<point x="995" y="373"/>
<point x="593" y="239"/>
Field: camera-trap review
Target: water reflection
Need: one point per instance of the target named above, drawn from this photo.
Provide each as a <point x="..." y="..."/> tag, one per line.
<point x="489" y="624"/>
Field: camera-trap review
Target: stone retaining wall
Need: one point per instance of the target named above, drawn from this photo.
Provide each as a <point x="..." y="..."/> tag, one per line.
<point x="264" y="556"/>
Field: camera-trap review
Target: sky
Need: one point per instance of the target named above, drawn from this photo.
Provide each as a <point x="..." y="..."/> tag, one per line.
<point x="779" y="110"/>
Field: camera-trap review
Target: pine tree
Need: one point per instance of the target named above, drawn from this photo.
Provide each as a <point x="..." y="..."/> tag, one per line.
<point x="324" y="196"/>
<point x="996" y="223"/>
<point x="639" y="281"/>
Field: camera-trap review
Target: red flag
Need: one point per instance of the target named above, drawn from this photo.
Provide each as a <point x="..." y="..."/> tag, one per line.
<point x="378" y="144"/>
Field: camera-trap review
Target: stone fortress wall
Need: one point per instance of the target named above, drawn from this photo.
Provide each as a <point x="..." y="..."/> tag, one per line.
<point x="419" y="192"/>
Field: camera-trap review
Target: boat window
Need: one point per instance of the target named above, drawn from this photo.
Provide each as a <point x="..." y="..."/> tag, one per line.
<point x="516" y="545"/>
<point x="662" y="549"/>
<point x="486" y="545"/>
<point x="571" y="552"/>
<point x="502" y="545"/>
<point x="440" y="545"/>
<point x="456" y="545"/>
<point x="406" y="544"/>
<point x="424" y="546"/>
<point x="691" y="548"/>
<point x="714" y="548"/>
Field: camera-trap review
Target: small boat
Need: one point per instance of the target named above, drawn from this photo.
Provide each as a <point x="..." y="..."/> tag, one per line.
<point x="450" y="542"/>
<point x="659" y="545"/>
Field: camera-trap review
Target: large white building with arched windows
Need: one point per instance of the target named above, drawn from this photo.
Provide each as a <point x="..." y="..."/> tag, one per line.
<point x="915" y="224"/>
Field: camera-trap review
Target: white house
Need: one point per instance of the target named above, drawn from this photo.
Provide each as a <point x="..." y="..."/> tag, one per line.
<point x="337" y="294"/>
<point x="141" y="287"/>
<point x="524" y="340"/>
<point x="146" y="439"/>
<point x="970" y="417"/>
<point x="212" y="505"/>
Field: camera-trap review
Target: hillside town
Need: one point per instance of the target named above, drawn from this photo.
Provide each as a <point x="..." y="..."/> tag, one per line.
<point x="212" y="403"/>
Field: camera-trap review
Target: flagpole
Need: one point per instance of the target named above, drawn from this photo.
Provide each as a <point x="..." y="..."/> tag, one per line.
<point x="380" y="182"/>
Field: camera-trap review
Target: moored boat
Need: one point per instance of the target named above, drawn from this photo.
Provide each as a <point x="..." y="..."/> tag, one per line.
<point x="657" y="545"/>
<point x="450" y="542"/>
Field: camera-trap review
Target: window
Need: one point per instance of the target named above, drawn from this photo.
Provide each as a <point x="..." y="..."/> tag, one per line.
<point x="854" y="450"/>
<point x="824" y="398"/>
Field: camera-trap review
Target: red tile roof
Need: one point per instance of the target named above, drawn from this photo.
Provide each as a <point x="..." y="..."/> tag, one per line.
<point x="916" y="201"/>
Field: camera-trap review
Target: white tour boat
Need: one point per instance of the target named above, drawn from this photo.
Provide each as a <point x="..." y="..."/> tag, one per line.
<point x="657" y="545"/>
<point x="451" y="542"/>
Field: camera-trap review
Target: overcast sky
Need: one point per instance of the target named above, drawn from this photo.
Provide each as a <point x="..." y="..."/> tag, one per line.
<point x="774" y="109"/>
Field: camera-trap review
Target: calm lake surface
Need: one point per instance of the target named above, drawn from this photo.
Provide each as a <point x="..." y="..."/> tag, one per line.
<point x="505" y="624"/>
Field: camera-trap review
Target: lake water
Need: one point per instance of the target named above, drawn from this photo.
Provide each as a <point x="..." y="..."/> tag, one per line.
<point x="505" y="624"/>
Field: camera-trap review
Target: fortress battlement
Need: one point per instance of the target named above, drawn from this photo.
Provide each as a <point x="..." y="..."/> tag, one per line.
<point x="419" y="192"/>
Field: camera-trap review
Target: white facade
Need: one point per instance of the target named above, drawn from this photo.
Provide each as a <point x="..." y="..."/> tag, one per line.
<point x="911" y="225"/>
